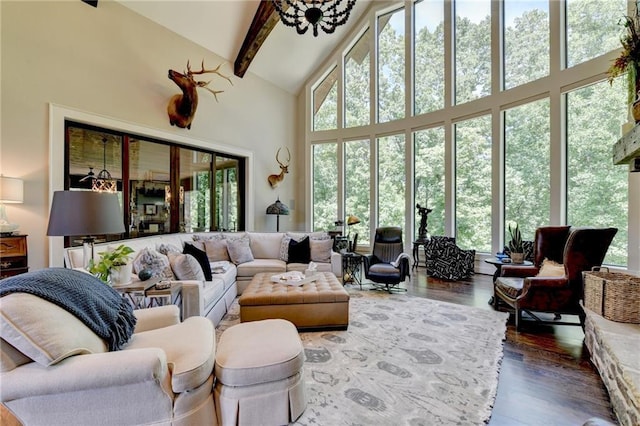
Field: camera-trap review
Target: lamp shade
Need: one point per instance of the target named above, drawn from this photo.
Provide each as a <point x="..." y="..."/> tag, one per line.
<point x="352" y="220"/>
<point x="80" y="213"/>
<point x="278" y="208"/>
<point x="11" y="190"/>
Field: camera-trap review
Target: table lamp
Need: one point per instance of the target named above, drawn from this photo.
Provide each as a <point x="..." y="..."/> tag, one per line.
<point x="278" y="208"/>
<point x="11" y="192"/>
<point x="85" y="214"/>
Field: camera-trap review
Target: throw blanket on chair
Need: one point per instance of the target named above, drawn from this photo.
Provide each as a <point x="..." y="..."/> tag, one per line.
<point x="96" y="304"/>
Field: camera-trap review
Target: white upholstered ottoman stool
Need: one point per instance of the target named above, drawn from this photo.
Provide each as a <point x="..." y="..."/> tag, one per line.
<point x="258" y="371"/>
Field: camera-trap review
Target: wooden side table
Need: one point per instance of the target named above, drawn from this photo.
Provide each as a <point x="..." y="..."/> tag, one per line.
<point x="416" y="253"/>
<point x="13" y="255"/>
<point x="165" y="296"/>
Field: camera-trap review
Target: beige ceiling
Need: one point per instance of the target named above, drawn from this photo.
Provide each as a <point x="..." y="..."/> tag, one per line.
<point x="286" y="59"/>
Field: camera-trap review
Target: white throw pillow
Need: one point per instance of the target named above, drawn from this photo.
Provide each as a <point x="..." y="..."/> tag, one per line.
<point x="549" y="268"/>
<point x="186" y="267"/>
<point x="43" y="331"/>
<point x="321" y="250"/>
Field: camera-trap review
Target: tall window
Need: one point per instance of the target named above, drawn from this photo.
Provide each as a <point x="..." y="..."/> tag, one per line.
<point x="325" y="102"/>
<point x="325" y="186"/>
<point x="597" y="189"/>
<point x="527" y="166"/>
<point x="592" y="28"/>
<point x="357" y="186"/>
<point x="227" y="195"/>
<point x="391" y="181"/>
<point x="357" y="83"/>
<point x="194" y="195"/>
<point x="391" y="63"/>
<point x="473" y="49"/>
<point x="429" y="56"/>
<point x="430" y="177"/>
<point x="526" y="41"/>
<point x="473" y="184"/>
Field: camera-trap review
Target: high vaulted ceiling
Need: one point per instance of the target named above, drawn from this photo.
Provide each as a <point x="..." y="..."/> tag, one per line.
<point x="285" y="59"/>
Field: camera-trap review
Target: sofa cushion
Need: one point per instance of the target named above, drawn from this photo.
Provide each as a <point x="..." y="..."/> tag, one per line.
<point x="43" y="331"/>
<point x="265" y="245"/>
<point x="212" y="291"/>
<point x="189" y="348"/>
<point x="153" y="261"/>
<point x="216" y="250"/>
<point x="186" y="267"/>
<point x="299" y="251"/>
<point x="201" y="257"/>
<point x="249" y="269"/>
<point x="321" y="250"/>
<point x="239" y="251"/>
<point x="224" y="270"/>
<point x="302" y="267"/>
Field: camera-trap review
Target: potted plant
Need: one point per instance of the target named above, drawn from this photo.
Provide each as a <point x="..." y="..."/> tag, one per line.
<point x="113" y="266"/>
<point x="629" y="60"/>
<point x="515" y="244"/>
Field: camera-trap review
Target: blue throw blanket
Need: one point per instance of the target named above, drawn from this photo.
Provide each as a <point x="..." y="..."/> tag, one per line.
<point x="96" y="304"/>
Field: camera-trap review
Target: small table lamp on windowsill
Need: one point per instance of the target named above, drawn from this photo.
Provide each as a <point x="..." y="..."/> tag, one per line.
<point x="278" y="208"/>
<point x="11" y="192"/>
<point x="85" y="214"/>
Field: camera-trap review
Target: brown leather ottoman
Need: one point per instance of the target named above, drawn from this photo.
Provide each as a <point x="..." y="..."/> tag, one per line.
<point x="321" y="304"/>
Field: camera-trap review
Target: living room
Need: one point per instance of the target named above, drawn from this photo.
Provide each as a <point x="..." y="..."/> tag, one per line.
<point x="107" y="67"/>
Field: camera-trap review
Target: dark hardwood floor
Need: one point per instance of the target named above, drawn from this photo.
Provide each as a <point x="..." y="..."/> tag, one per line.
<point x="546" y="377"/>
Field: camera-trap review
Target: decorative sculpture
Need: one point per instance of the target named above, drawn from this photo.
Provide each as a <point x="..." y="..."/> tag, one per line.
<point x="274" y="180"/>
<point x="422" y="231"/>
<point x="182" y="108"/>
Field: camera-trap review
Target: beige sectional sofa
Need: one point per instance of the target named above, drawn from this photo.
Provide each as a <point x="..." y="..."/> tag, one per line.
<point x="212" y="299"/>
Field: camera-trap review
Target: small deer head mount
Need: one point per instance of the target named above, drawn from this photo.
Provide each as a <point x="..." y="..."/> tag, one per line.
<point x="182" y="108"/>
<point x="274" y="180"/>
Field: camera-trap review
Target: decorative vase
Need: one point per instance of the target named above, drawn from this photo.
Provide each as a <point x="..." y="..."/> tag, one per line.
<point x="517" y="258"/>
<point x="121" y="274"/>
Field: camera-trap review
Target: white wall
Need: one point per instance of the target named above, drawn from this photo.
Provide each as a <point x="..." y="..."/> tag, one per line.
<point x="110" y="62"/>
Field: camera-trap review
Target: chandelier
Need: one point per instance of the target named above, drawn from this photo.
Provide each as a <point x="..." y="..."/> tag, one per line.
<point x="317" y="13"/>
<point x="103" y="181"/>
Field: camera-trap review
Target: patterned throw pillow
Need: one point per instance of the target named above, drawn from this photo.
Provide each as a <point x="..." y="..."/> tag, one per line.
<point x="201" y="257"/>
<point x="155" y="262"/>
<point x="284" y="248"/>
<point x="208" y="237"/>
<point x="165" y="248"/>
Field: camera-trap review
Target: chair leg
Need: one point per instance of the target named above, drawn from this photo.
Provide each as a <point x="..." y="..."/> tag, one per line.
<point x="518" y="318"/>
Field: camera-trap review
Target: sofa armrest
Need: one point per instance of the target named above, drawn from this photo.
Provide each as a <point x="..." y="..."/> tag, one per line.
<point x="518" y="271"/>
<point x="159" y="317"/>
<point x="336" y="264"/>
<point x="91" y="373"/>
<point x="192" y="299"/>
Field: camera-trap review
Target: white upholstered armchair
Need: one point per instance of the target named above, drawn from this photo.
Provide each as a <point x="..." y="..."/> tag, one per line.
<point x="55" y="370"/>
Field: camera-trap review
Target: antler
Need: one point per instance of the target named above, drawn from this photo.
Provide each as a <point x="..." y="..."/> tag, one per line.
<point x="204" y="84"/>
<point x="288" y="157"/>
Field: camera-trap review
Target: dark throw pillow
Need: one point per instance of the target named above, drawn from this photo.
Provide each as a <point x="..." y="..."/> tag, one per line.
<point x="299" y="251"/>
<point x="201" y="257"/>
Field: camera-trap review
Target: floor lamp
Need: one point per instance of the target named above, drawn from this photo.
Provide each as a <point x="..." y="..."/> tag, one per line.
<point x="85" y="214"/>
<point x="278" y="208"/>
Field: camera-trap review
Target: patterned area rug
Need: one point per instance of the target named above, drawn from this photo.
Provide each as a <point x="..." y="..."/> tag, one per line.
<point x="403" y="361"/>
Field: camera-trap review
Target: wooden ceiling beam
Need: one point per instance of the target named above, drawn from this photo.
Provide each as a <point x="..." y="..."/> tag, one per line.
<point x="264" y="20"/>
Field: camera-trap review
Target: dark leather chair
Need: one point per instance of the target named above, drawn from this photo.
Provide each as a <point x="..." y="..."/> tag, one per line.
<point x="387" y="248"/>
<point x="584" y="249"/>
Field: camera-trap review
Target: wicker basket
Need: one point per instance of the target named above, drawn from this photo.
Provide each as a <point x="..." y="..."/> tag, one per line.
<point x="614" y="295"/>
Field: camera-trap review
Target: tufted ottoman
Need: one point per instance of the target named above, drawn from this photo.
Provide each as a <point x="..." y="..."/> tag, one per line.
<point x="259" y="374"/>
<point x="321" y="304"/>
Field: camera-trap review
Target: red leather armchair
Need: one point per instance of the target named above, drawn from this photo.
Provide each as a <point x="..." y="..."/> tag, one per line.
<point x="523" y="290"/>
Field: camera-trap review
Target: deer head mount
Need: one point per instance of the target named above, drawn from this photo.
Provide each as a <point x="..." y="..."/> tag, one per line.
<point x="274" y="180"/>
<point x="182" y="108"/>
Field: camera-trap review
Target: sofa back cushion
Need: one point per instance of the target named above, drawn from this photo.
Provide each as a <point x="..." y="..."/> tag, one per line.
<point x="265" y="245"/>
